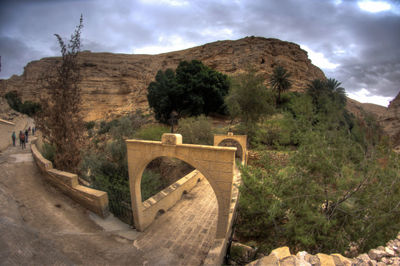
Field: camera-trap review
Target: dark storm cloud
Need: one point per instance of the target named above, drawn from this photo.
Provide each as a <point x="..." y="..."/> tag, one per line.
<point x="364" y="45"/>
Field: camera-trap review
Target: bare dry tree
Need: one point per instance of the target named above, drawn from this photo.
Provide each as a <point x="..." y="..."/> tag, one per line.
<point x="60" y="120"/>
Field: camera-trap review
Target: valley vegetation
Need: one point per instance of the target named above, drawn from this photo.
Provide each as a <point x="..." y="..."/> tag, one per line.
<point x="319" y="179"/>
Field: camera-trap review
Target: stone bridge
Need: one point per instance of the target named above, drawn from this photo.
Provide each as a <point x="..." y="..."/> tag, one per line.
<point x="214" y="164"/>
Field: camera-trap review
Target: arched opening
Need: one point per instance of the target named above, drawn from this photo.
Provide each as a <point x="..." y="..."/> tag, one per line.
<point x="160" y="173"/>
<point x="191" y="220"/>
<point x="233" y="143"/>
<point x="216" y="164"/>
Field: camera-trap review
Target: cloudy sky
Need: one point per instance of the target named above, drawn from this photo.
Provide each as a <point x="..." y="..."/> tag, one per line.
<point x="356" y="42"/>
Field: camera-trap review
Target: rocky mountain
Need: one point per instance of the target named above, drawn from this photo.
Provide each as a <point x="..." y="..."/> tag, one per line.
<point x="117" y="83"/>
<point x="390" y="121"/>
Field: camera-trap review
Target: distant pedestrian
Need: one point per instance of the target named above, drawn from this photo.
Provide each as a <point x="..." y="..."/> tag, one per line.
<point x="33" y="132"/>
<point x="13" y="136"/>
<point x="26" y="136"/>
<point x="22" y="136"/>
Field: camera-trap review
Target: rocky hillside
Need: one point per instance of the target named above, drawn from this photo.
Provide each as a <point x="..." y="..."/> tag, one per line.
<point x="390" y="121"/>
<point x="116" y="83"/>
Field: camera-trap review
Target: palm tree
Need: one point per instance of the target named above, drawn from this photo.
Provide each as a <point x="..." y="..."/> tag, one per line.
<point x="280" y="81"/>
<point x="338" y="93"/>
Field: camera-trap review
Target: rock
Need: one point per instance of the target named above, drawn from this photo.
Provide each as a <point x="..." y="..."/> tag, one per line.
<point x="340" y="260"/>
<point x="301" y="255"/>
<point x="242" y="253"/>
<point x="117" y="83"/>
<point x="268" y="260"/>
<point x="376" y="254"/>
<point x="387" y="260"/>
<point x="281" y="252"/>
<point x="363" y="258"/>
<point x="292" y="261"/>
<point x="325" y="259"/>
<point x="390" y="252"/>
<point x="313" y="260"/>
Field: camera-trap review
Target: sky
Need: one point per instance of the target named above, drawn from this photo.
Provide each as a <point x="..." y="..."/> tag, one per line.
<point x="355" y="42"/>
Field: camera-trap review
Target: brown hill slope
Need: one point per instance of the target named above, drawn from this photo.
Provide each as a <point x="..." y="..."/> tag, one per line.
<point x="116" y="83"/>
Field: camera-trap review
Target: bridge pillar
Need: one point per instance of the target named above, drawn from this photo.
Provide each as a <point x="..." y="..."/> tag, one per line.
<point x="216" y="163"/>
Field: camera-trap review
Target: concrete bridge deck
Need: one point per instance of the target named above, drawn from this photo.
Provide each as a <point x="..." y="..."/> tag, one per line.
<point x="184" y="234"/>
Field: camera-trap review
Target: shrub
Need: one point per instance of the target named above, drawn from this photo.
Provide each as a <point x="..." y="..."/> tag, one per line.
<point x="152" y="183"/>
<point x="196" y="130"/>
<point x="28" y="107"/>
<point x="90" y="125"/>
<point x="151" y="132"/>
<point x="49" y="151"/>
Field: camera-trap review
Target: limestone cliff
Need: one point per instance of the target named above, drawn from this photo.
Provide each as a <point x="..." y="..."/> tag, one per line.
<point x="390" y="121"/>
<point x="116" y="83"/>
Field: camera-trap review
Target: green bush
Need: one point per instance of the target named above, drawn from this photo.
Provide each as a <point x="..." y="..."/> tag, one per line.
<point x="49" y="151"/>
<point x="152" y="183"/>
<point x="328" y="196"/>
<point x="28" y="107"/>
<point x="196" y="130"/>
<point x="151" y="132"/>
<point x="90" y="125"/>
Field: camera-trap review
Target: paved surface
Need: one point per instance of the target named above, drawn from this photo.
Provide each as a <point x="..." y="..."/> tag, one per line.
<point x="184" y="234"/>
<point x="41" y="226"/>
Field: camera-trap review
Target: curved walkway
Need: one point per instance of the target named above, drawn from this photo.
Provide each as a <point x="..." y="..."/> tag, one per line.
<point x="41" y="226"/>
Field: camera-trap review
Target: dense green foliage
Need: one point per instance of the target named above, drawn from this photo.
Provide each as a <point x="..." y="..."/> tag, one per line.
<point x="192" y="90"/>
<point x="27" y="107"/>
<point x="280" y="81"/>
<point x="340" y="187"/>
<point x="196" y="130"/>
<point x="104" y="163"/>
<point x="249" y="99"/>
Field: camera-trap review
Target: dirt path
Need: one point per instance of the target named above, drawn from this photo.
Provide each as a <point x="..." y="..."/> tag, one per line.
<point x="41" y="226"/>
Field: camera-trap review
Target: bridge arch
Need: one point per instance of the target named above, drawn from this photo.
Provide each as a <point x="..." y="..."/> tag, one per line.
<point x="215" y="163"/>
<point x="231" y="140"/>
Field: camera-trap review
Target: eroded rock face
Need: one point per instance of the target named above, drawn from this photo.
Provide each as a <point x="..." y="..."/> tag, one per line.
<point x="117" y="83"/>
<point x="390" y="120"/>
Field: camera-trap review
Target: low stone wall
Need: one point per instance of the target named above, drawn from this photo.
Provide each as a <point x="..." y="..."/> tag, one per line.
<point x="168" y="197"/>
<point x="389" y="255"/>
<point x="218" y="249"/>
<point x="92" y="199"/>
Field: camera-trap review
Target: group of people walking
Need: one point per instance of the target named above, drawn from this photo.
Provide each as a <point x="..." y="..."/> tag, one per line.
<point x="23" y="137"/>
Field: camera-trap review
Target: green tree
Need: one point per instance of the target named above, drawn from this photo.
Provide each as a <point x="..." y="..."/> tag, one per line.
<point x="280" y="81"/>
<point x="60" y="120"/>
<point x="195" y="89"/>
<point x="337" y="92"/>
<point x="248" y="99"/>
<point x="164" y="95"/>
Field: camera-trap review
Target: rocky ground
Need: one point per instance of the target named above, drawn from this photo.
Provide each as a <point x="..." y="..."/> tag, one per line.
<point x="388" y="255"/>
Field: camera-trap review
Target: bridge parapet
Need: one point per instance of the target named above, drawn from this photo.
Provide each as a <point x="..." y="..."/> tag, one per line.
<point x="217" y="164"/>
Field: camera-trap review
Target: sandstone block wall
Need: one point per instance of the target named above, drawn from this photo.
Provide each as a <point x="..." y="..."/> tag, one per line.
<point x="92" y="199"/>
<point x="168" y="197"/>
<point x="215" y="163"/>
